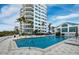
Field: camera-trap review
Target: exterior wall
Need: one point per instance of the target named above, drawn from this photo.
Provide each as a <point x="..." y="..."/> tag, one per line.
<point x="38" y="14"/>
<point x="28" y="12"/>
<point x="52" y="29"/>
<point x="67" y="33"/>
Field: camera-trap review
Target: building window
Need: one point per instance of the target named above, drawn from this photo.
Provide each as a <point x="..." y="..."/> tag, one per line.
<point x="58" y="29"/>
<point x="64" y="29"/>
<point x="36" y="27"/>
<point x="39" y="24"/>
<point x="36" y="20"/>
<point x="27" y="30"/>
<point x="35" y="23"/>
<point x="37" y="9"/>
<point x="64" y="25"/>
<point x="36" y="6"/>
<point x="53" y="31"/>
<point x="36" y="16"/>
<point x="72" y="29"/>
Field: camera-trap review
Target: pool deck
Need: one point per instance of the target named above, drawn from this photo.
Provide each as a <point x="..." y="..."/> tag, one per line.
<point x="8" y="47"/>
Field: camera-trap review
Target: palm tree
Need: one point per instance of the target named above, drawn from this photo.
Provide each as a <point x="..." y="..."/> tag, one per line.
<point x="16" y="30"/>
<point x="52" y="29"/>
<point x="76" y="34"/>
<point x="31" y="22"/>
<point x="21" y="20"/>
<point x="49" y="26"/>
<point x="43" y="23"/>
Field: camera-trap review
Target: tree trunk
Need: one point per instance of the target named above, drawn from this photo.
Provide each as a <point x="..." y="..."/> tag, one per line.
<point x="49" y="29"/>
<point x="21" y="28"/>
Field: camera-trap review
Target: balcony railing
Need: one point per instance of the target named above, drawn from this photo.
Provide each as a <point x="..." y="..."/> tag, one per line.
<point x="29" y="5"/>
<point x="29" y="12"/>
<point x="28" y="9"/>
<point x="29" y="17"/>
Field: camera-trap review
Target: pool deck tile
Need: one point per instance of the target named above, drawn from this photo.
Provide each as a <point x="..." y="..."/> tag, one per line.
<point x="8" y="47"/>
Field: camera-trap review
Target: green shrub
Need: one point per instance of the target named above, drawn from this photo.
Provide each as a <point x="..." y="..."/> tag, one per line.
<point x="35" y="32"/>
<point x="58" y="34"/>
<point x="6" y="33"/>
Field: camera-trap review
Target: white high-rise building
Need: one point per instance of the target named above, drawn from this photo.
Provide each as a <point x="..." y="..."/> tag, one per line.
<point x="36" y="17"/>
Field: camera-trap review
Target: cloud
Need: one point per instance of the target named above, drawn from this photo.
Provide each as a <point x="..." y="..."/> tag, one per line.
<point x="9" y="10"/>
<point x="64" y="17"/>
<point x="8" y="16"/>
<point x="67" y="16"/>
<point x="11" y="21"/>
<point x="60" y="13"/>
<point x="4" y="27"/>
<point x="56" y="20"/>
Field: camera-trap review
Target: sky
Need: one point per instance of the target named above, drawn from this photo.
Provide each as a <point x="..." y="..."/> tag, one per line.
<point x="61" y="13"/>
<point x="8" y="15"/>
<point x="57" y="14"/>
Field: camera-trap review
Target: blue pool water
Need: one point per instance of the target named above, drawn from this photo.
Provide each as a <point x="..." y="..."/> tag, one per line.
<point x="40" y="42"/>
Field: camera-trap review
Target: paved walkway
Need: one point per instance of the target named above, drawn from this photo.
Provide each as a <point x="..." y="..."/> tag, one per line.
<point x="8" y="47"/>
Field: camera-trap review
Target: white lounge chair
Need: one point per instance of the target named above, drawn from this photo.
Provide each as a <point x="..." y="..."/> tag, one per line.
<point x="73" y="42"/>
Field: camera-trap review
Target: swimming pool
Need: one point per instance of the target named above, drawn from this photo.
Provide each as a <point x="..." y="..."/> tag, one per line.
<point x="40" y="42"/>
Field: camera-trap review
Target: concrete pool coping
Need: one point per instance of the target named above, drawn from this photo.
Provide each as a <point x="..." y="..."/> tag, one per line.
<point x="32" y="36"/>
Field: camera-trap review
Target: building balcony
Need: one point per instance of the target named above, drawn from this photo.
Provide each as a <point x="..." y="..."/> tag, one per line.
<point x="28" y="16"/>
<point x="28" y="30"/>
<point x="29" y="5"/>
<point x="29" y="8"/>
<point x="26" y="26"/>
<point x="29" y="12"/>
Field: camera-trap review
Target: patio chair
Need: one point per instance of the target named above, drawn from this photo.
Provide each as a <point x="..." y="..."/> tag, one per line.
<point x="73" y="42"/>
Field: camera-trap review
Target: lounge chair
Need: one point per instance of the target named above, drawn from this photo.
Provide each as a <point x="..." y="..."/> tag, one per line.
<point x="72" y="42"/>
